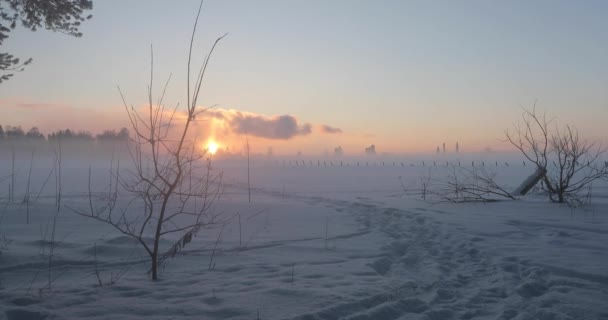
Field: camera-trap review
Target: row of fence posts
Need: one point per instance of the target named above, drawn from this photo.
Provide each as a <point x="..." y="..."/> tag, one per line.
<point x="302" y="163"/>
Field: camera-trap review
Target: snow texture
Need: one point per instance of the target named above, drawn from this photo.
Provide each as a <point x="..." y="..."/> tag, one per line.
<point x="331" y="242"/>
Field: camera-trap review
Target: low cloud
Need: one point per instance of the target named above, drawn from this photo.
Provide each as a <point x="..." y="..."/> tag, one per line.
<point x="330" y="130"/>
<point x="282" y="127"/>
<point x="20" y="104"/>
<point x="37" y="105"/>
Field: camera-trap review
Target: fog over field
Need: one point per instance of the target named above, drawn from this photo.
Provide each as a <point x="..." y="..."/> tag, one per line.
<point x="329" y="240"/>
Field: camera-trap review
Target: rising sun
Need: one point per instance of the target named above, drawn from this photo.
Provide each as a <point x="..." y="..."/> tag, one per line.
<point x="212" y="147"/>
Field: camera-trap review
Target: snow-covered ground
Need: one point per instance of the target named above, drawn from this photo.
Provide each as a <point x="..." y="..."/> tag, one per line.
<point x="320" y="242"/>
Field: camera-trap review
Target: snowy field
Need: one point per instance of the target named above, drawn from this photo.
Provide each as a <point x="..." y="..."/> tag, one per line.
<point x="316" y="242"/>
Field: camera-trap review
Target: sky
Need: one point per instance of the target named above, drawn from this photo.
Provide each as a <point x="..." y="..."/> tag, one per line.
<point x="308" y="76"/>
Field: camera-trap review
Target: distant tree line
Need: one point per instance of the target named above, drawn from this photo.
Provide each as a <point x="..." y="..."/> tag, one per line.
<point x="16" y="133"/>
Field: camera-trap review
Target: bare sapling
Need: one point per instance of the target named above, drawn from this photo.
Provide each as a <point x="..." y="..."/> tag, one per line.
<point x="49" y="244"/>
<point x="3" y="240"/>
<point x="172" y="199"/>
<point x="248" y="173"/>
<point x="26" y="197"/>
<point x="570" y="163"/>
<point x="425" y="182"/>
<point x="240" y="232"/>
<point x="99" y="282"/>
<point x="463" y="185"/>
<point x="11" y="188"/>
<point x="57" y="166"/>
<point x="51" y="252"/>
<point x="48" y="247"/>
<point x="415" y="190"/>
<point x="215" y="248"/>
<point x="470" y="185"/>
<point x="46" y="181"/>
<point x="326" y="238"/>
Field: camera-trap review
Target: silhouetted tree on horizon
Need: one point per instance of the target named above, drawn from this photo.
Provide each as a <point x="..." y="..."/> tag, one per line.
<point x="112" y="135"/>
<point x="13" y="133"/>
<point x="34" y="133"/>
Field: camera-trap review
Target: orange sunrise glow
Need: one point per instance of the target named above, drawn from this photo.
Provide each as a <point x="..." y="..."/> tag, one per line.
<point x="212" y="147"/>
